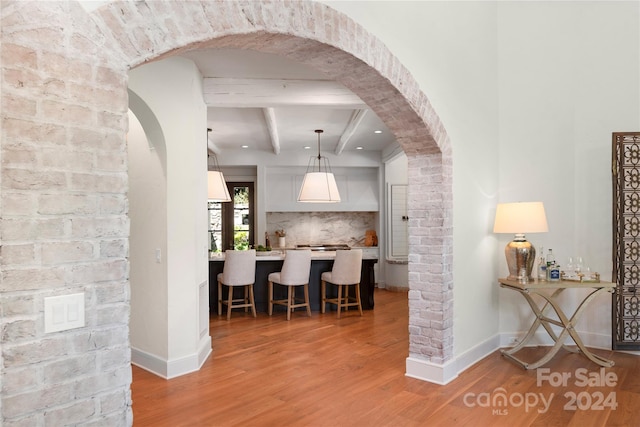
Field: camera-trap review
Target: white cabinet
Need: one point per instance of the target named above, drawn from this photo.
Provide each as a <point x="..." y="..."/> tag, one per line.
<point x="358" y="187"/>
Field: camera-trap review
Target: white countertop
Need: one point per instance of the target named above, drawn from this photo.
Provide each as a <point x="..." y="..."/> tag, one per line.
<point x="278" y="255"/>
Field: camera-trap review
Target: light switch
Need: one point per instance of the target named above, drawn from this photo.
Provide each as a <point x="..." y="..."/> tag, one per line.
<point x="158" y="255"/>
<point x="63" y="312"/>
<point x="72" y="313"/>
<point x="57" y="316"/>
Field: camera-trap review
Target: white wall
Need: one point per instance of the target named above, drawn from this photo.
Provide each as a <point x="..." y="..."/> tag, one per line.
<point x="173" y="91"/>
<point x="147" y="211"/>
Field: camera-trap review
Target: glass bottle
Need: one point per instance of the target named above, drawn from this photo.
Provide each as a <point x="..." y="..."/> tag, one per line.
<point x="542" y="266"/>
<point x="553" y="269"/>
<point x="551" y="259"/>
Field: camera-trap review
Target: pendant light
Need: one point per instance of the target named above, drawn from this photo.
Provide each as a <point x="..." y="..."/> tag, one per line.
<point x="217" y="186"/>
<point x="318" y="185"/>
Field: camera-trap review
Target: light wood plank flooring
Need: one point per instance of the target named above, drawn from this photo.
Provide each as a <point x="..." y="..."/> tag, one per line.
<point x="321" y="371"/>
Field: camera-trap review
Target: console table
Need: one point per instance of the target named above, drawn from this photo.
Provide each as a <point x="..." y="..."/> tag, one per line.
<point x="549" y="291"/>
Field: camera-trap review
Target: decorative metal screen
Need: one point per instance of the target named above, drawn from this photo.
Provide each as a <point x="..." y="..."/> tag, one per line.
<point x="626" y="241"/>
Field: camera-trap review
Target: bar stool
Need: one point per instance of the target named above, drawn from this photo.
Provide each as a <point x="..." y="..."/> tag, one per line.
<point x="295" y="272"/>
<point x="345" y="272"/>
<point x="239" y="271"/>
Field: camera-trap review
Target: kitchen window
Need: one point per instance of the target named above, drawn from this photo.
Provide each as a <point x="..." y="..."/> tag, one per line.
<point x="232" y="223"/>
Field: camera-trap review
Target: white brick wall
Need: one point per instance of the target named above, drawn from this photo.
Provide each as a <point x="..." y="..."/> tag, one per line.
<point x="64" y="225"/>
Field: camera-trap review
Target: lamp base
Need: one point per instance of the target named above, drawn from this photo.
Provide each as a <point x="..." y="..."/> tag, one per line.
<point x="520" y="255"/>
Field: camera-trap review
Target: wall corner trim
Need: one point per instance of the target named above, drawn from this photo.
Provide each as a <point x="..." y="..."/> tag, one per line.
<point x="431" y="372"/>
<point x="168" y="369"/>
<point x="445" y="373"/>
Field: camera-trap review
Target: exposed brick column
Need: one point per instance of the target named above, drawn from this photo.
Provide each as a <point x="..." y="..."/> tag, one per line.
<point x="430" y="260"/>
<point x="64" y="225"/>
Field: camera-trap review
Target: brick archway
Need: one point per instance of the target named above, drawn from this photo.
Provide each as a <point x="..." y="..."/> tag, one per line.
<point x="64" y="178"/>
<point x="330" y="42"/>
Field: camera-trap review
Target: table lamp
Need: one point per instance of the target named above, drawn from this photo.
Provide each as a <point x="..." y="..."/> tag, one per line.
<point x="520" y="218"/>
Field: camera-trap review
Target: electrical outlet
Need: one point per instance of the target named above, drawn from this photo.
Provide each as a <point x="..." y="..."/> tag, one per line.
<point x="513" y="340"/>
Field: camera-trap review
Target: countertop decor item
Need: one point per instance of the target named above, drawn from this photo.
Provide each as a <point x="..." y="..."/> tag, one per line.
<point x="319" y="184"/>
<point x="520" y="218"/>
<point x="371" y="238"/>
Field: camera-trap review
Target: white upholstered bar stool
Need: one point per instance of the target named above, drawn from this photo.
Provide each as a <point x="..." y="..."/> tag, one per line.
<point x="239" y="271"/>
<point x="345" y="272"/>
<point x="295" y="272"/>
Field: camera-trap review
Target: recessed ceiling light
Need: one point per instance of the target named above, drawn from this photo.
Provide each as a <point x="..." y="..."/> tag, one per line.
<point x="245" y="146"/>
<point x="359" y="148"/>
<point x="306" y="147"/>
<point x="377" y="131"/>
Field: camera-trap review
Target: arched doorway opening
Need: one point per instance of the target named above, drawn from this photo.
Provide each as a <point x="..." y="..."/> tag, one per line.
<point x="377" y="78"/>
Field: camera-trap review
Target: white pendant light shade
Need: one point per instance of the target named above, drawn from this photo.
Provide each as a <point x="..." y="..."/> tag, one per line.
<point x="319" y="187"/>
<point x="319" y="184"/>
<point x="217" y="187"/>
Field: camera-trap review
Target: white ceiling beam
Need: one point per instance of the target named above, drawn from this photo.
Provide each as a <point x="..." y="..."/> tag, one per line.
<point x="270" y="119"/>
<point x="263" y="93"/>
<point x="352" y="126"/>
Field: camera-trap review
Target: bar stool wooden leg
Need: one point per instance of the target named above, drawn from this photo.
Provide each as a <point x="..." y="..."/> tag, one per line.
<point x="358" y="298"/>
<point x="230" y="302"/>
<point x="253" y="304"/>
<point x="270" y="298"/>
<point x="306" y="299"/>
<point x="323" y="293"/>
<point x="346" y="297"/>
<point x="289" y="301"/>
<point x="219" y="298"/>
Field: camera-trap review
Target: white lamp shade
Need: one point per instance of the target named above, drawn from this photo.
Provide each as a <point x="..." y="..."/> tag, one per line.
<point x="523" y="217"/>
<point x="217" y="187"/>
<point x="319" y="187"/>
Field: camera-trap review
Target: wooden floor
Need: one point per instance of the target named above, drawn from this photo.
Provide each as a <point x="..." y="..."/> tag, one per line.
<point x="321" y="371"/>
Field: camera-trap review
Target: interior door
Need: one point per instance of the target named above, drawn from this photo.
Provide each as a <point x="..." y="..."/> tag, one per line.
<point x="238" y="217"/>
<point x="626" y="241"/>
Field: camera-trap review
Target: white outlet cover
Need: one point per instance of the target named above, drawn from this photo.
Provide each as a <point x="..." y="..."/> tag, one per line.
<point x="63" y="312"/>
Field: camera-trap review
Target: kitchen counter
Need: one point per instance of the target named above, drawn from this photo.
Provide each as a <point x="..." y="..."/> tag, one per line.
<point x="321" y="261"/>
<point x="278" y="255"/>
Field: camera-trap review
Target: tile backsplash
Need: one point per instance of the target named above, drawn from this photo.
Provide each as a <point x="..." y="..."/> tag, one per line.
<point x="321" y="227"/>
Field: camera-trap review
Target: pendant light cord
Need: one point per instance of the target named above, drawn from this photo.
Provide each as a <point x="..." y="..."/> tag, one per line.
<point x="319" y="131"/>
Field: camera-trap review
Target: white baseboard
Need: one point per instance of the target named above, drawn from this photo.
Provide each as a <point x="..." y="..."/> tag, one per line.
<point x="431" y="372"/>
<point x="446" y="372"/>
<point x="168" y="369"/>
<point x="542" y="338"/>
